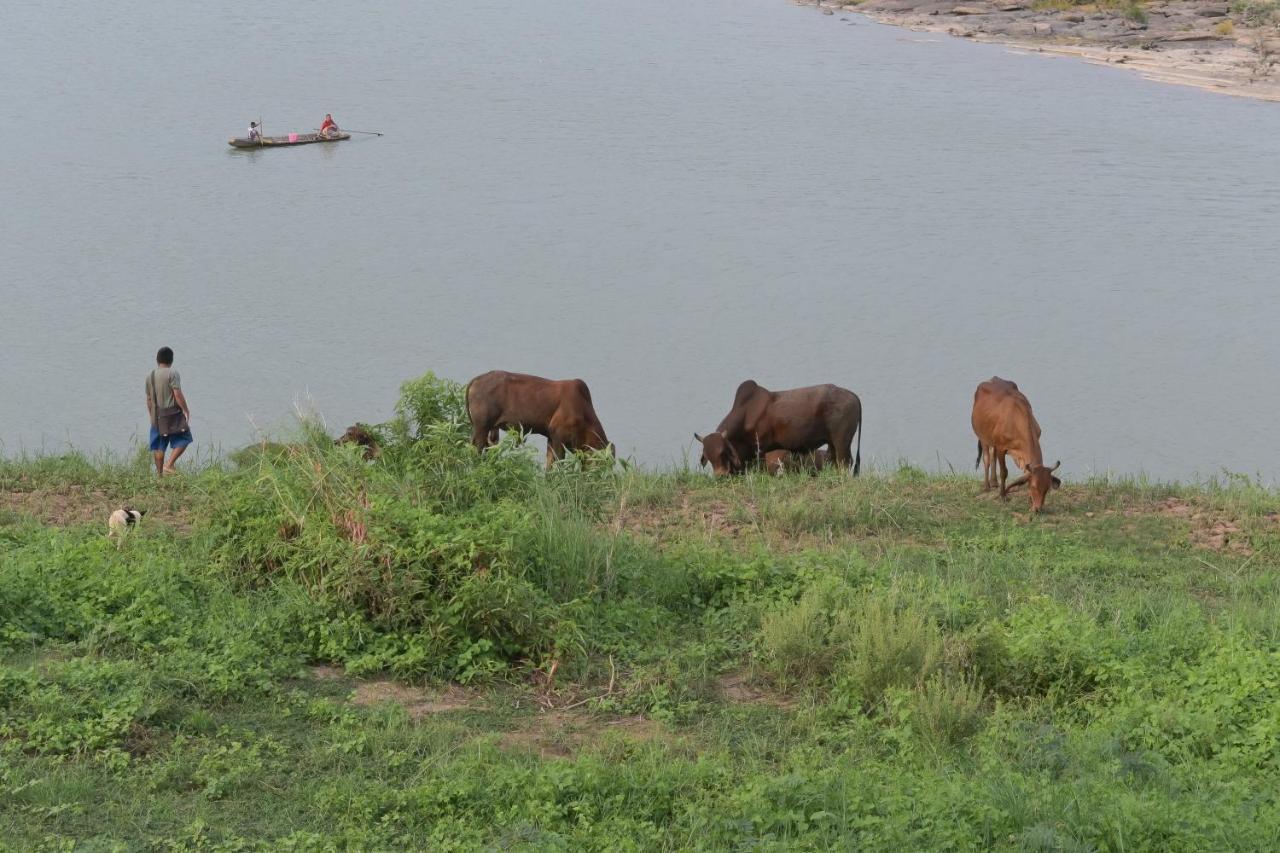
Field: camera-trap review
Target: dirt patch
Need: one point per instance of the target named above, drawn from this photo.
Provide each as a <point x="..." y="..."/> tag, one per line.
<point x="419" y="702"/>
<point x="68" y="506"/>
<point x="735" y="687"/>
<point x="1176" y="507"/>
<point x="1221" y="536"/>
<point x="564" y="733"/>
<point x="1213" y="532"/>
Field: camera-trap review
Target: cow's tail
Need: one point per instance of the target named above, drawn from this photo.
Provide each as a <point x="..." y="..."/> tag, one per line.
<point x="466" y="400"/>
<point x="857" y="460"/>
<point x="978" y="461"/>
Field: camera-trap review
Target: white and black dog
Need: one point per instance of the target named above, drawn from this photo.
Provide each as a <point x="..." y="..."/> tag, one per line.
<point x="120" y="522"/>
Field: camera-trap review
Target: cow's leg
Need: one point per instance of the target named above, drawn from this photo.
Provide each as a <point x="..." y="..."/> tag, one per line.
<point x="1004" y="476"/>
<point x="555" y="448"/>
<point x="480" y="436"/>
<point x="841" y="452"/>
<point x="988" y="467"/>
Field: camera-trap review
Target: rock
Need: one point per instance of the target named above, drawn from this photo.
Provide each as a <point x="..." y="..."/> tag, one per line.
<point x="1043" y="28"/>
<point x="1212" y="11"/>
<point x="968" y="10"/>
<point x="1011" y="7"/>
<point x="1074" y="18"/>
<point x="827" y="11"/>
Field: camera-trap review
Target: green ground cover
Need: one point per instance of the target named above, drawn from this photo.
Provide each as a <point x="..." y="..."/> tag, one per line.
<point x="447" y="650"/>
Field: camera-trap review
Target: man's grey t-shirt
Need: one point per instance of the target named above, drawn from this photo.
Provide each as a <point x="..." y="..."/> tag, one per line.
<point x="166" y="379"/>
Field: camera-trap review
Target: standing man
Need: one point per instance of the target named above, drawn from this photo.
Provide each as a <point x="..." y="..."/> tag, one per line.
<point x="170" y="416"/>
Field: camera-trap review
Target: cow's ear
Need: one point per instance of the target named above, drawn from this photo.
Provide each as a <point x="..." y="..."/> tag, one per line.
<point x="702" y="461"/>
<point x="1057" y="484"/>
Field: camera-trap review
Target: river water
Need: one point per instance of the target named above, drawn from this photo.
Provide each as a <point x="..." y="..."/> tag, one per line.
<point x="661" y="198"/>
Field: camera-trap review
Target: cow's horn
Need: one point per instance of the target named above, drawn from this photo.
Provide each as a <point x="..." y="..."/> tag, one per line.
<point x="699" y="438"/>
<point x="1056" y="465"/>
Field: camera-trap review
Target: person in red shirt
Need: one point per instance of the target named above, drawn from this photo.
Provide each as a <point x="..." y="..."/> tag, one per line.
<point x="328" y="125"/>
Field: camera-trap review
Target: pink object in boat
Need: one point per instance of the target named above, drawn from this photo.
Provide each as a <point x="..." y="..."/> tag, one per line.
<point x="293" y="137"/>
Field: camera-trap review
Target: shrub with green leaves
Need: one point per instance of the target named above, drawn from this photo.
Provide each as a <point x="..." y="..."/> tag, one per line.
<point x="800" y="642"/>
<point x="889" y="644"/>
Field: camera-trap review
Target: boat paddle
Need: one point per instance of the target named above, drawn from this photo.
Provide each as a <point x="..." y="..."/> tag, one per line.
<point x="347" y="130"/>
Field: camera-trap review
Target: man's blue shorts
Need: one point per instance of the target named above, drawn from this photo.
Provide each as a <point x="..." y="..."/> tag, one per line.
<point x="163" y="442"/>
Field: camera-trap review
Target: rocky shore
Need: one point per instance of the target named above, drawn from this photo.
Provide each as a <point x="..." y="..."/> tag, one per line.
<point x="1188" y="42"/>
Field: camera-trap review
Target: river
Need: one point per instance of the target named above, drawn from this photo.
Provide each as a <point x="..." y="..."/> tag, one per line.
<point x="661" y="198"/>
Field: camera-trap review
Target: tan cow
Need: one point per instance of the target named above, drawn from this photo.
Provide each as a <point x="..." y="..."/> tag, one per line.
<point x="1003" y="422"/>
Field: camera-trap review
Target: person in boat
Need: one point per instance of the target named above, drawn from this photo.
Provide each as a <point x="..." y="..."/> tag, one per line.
<point x="255" y="132"/>
<point x="328" y="127"/>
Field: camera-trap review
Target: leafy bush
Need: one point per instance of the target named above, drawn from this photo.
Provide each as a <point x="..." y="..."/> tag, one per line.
<point x="1046" y="649"/>
<point x="1226" y="705"/>
<point x="429" y="402"/>
<point x="946" y="709"/>
<point x="801" y="642"/>
<point x="888" y="645"/>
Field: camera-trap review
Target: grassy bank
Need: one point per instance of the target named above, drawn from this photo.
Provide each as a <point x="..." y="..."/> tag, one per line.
<point x="302" y="650"/>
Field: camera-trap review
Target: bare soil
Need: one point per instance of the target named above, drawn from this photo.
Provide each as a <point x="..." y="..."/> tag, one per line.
<point x="69" y="506"/>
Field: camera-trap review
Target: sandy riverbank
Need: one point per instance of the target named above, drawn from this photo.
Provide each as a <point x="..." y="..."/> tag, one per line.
<point x="1187" y="42"/>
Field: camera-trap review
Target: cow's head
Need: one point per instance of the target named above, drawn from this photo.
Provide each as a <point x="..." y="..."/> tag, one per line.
<point x="719" y="454"/>
<point x="363" y="436"/>
<point x="1039" y="480"/>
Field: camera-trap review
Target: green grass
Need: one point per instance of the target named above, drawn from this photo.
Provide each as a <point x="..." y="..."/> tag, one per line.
<point x="441" y="650"/>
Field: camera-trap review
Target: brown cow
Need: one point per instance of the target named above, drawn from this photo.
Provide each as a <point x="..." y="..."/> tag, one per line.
<point x="363" y="436"/>
<point x="558" y="409"/>
<point x="1003" y="422"/>
<point x="779" y="462"/>
<point x="800" y="420"/>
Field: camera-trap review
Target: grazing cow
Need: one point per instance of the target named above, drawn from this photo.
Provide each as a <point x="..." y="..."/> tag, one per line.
<point x="800" y="420"/>
<point x="363" y="436"/>
<point x="1003" y="422"/>
<point x="558" y="409"/>
<point x="779" y="462"/>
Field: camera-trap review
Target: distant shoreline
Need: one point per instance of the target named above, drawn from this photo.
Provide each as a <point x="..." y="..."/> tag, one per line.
<point x="1185" y="42"/>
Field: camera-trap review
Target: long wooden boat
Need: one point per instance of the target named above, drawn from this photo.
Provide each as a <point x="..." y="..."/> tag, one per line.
<point x="284" y="141"/>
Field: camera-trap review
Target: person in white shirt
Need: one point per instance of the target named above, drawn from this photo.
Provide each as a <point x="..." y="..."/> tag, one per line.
<point x="255" y="132"/>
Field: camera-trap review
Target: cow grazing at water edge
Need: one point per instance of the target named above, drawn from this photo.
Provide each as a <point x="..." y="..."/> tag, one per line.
<point x="1003" y="422"/>
<point x="800" y="420"/>
<point x="558" y="409"/>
